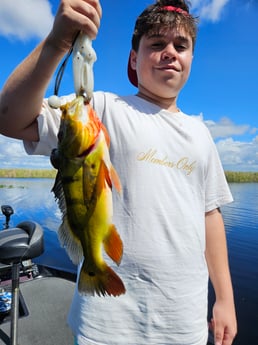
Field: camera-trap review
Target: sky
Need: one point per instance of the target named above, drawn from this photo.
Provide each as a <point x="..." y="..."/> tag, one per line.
<point x="222" y="88"/>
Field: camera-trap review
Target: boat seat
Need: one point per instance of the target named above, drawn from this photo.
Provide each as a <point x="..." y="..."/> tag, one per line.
<point x="23" y="242"/>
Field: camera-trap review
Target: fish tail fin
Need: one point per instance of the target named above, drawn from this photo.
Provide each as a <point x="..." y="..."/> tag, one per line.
<point x="101" y="282"/>
<point x="113" y="245"/>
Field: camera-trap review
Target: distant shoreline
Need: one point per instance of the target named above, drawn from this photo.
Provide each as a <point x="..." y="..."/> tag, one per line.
<point x="241" y="176"/>
<point x="28" y="173"/>
<point x="231" y="176"/>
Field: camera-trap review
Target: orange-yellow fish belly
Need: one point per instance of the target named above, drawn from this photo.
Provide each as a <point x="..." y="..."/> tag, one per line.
<point x="99" y="232"/>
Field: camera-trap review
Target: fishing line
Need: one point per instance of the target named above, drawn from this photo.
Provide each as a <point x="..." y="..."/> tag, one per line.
<point x="54" y="101"/>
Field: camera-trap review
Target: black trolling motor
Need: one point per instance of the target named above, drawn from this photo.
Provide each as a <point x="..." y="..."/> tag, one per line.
<point x="5" y="296"/>
<point x="7" y="211"/>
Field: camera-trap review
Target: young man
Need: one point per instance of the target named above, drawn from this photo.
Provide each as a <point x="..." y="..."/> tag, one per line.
<point x="173" y="183"/>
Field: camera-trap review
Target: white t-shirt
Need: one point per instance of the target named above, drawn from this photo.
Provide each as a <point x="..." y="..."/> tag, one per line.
<point x="171" y="175"/>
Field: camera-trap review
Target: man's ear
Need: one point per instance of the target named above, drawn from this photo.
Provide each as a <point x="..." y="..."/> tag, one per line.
<point x="133" y="59"/>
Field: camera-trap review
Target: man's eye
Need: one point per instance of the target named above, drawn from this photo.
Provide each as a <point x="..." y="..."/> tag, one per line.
<point x="180" y="47"/>
<point x="157" y="45"/>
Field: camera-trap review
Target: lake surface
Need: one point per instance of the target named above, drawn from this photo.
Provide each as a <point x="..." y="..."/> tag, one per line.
<point x="32" y="199"/>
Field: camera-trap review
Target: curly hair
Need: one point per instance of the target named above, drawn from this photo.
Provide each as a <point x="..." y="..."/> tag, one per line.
<point x="154" y="18"/>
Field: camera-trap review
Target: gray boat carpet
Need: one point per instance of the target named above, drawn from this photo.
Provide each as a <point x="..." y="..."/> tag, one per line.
<point x="47" y="301"/>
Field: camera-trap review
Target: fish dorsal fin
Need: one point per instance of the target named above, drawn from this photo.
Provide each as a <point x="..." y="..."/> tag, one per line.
<point x="59" y="193"/>
<point x="67" y="237"/>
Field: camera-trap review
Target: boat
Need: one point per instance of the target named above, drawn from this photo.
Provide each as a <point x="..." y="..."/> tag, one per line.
<point x="34" y="298"/>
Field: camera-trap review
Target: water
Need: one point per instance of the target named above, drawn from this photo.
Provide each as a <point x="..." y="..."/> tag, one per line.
<point x="241" y="222"/>
<point x="32" y="199"/>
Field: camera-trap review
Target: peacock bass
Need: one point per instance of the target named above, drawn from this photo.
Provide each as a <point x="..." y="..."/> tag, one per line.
<point x="83" y="185"/>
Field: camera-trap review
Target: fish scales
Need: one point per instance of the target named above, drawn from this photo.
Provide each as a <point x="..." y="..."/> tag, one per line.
<point x="83" y="190"/>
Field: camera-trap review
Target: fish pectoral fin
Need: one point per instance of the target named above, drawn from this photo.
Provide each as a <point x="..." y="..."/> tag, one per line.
<point x="103" y="178"/>
<point x="115" y="179"/>
<point x="111" y="177"/>
<point x="106" y="135"/>
<point x="105" y="174"/>
<point x="113" y="245"/>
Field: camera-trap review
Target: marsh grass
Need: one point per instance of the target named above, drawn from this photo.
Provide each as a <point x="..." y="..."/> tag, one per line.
<point x="27" y="173"/>
<point x="232" y="176"/>
<point x="241" y="176"/>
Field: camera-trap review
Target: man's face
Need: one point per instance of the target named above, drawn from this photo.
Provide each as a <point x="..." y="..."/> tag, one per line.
<point x="163" y="62"/>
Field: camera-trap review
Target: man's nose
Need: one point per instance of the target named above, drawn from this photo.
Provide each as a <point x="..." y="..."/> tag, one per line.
<point x="169" y="52"/>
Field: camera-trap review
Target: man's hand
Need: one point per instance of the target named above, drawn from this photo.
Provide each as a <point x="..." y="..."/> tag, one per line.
<point x="73" y="16"/>
<point x="223" y="324"/>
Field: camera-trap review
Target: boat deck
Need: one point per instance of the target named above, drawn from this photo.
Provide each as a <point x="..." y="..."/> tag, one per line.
<point x="43" y="318"/>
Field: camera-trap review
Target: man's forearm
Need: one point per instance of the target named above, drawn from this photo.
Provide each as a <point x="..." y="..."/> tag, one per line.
<point x="22" y="95"/>
<point x="217" y="255"/>
<point x="223" y="322"/>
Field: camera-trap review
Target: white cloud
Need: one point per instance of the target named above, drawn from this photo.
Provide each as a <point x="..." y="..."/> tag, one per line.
<point x="239" y="155"/>
<point x="13" y="155"/>
<point x="25" y="19"/>
<point x="227" y="128"/>
<point x="209" y="10"/>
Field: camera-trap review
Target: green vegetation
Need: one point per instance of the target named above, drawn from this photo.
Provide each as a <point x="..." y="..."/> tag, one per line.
<point x="10" y="186"/>
<point x="28" y="173"/>
<point x="241" y="176"/>
<point x="232" y="176"/>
